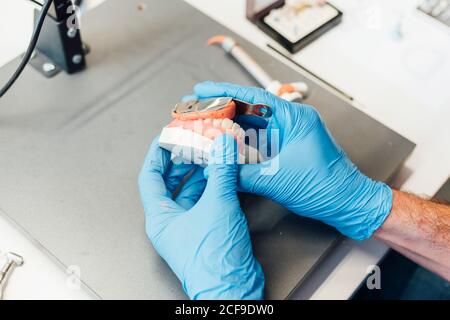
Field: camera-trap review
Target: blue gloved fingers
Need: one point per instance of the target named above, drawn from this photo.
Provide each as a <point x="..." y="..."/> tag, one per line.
<point x="209" y="89"/>
<point x="222" y="169"/>
<point x="155" y="197"/>
<point x="293" y="120"/>
<point x="229" y="268"/>
<point x="250" y="176"/>
<point x="192" y="189"/>
<point x="189" y="97"/>
<point x="175" y="174"/>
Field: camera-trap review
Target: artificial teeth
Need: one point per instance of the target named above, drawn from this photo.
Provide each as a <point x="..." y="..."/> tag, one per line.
<point x="227" y="123"/>
<point x="241" y="133"/>
<point x="235" y="128"/>
<point x="217" y="123"/>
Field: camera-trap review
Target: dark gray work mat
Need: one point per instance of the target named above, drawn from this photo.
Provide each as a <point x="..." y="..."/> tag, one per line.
<point x="444" y="193"/>
<point x="71" y="148"/>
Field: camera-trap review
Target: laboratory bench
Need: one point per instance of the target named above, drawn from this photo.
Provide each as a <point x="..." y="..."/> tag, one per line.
<point x="393" y="102"/>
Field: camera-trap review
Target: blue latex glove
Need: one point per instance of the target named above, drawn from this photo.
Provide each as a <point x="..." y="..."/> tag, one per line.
<point x="315" y="178"/>
<point x="202" y="234"/>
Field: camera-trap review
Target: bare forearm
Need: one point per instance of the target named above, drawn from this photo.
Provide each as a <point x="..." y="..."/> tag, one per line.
<point x="420" y="230"/>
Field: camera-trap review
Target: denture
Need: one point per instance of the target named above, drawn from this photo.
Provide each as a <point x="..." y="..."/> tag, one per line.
<point x="196" y="124"/>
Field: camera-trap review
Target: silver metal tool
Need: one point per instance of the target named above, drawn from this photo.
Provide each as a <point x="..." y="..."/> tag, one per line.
<point x="204" y="105"/>
<point x="13" y="260"/>
<point x="215" y="107"/>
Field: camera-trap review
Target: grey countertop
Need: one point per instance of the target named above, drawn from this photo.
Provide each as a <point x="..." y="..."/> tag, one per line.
<point x="71" y="148"/>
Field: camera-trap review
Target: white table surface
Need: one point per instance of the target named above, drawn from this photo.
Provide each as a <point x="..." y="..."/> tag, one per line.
<point x="386" y="88"/>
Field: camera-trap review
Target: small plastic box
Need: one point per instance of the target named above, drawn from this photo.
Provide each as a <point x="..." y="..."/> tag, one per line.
<point x="292" y="31"/>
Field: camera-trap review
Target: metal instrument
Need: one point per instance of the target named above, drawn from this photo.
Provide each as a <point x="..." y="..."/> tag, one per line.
<point x="13" y="260"/>
<point x="218" y="108"/>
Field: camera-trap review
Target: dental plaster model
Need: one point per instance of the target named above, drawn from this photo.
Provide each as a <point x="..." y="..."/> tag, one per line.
<point x="197" y="123"/>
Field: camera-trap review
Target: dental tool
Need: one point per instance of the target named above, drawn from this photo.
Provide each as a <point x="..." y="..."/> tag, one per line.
<point x="13" y="260"/>
<point x="218" y="108"/>
<point x="289" y="91"/>
<point x="197" y="123"/>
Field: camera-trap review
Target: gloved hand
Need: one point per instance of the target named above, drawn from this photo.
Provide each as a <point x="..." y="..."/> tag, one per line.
<point x="315" y="178"/>
<point x="202" y="233"/>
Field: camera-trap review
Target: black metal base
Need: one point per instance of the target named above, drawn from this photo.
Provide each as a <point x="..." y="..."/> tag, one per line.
<point x="60" y="39"/>
<point x="44" y="65"/>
